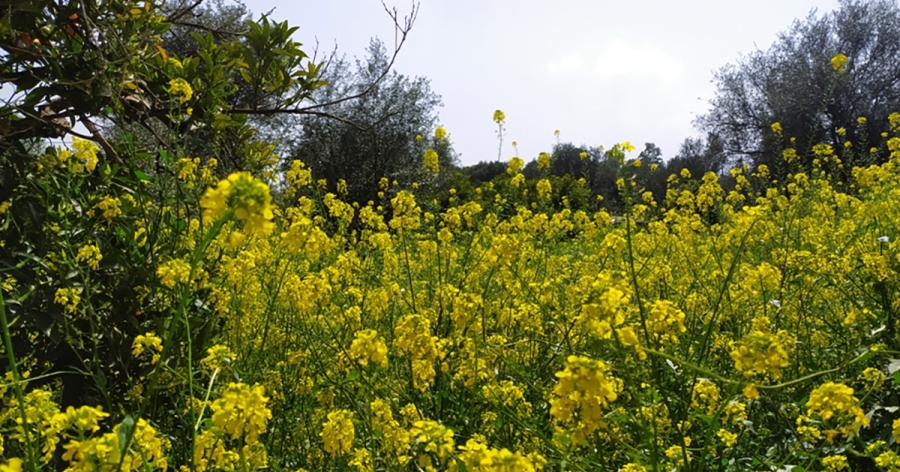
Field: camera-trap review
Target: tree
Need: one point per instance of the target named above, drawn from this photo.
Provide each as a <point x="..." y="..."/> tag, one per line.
<point x="699" y="156"/>
<point x="88" y="74"/>
<point x="795" y="84"/>
<point x="383" y="134"/>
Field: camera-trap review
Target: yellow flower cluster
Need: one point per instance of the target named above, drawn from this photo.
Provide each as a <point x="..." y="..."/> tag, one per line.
<point x="406" y="212"/>
<point x="174" y="271"/>
<point x="585" y="389"/>
<point x="431" y="161"/>
<point x="338" y="433"/>
<point x="218" y="357"/>
<point x="247" y="197"/>
<point x="413" y="338"/>
<point x="544" y="189"/>
<point x="181" y="89"/>
<point x="186" y="169"/>
<point x="666" y="320"/>
<point x="90" y="255"/>
<point x="367" y="347"/>
<point x="394" y="438"/>
<point x="839" y="62"/>
<point x="836" y="401"/>
<point x="515" y="165"/>
<point x="543" y="161"/>
<point x="434" y="443"/>
<point x="68" y="297"/>
<point x="110" y="207"/>
<point x="85" y="157"/>
<point x="147" y="341"/>
<point x="478" y="457"/>
<point x="74" y="429"/>
<point x="760" y="353"/>
<point x="239" y="417"/>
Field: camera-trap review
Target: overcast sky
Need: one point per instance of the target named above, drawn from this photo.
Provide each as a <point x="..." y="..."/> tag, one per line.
<point x="600" y="71"/>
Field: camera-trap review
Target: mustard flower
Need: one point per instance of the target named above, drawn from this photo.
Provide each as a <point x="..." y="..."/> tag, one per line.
<point x="776" y="128"/>
<point x="632" y="467"/>
<point x="759" y="353"/>
<point x="728" y="438"/>
<point x="666" y="320"/>
<point x="181" y="88"/>
<point x="367" y="347"/>
<point x="362" y="460"/>
<point x="241" y="412"/>
<point x="247" y="196"/>
<point x="90" y="255"/>
<point x="110" y="207"/>
<point x="834" y="400"/>
<point x="187" y="169"/>
<point x="433" y="437"/>
<point x="406" y="212"/>
<point x="173" y="271"/>
<point x="338" y="433"/>
<point x="149" y="340"/>
<point x="894" y="121"/>
<point x="440" y="134"/>
<point x="751" y="392"/>
<point x="413" y="338"/>
<point x="790" y="155"/>
<point x="13" y="464"/>
<point x="543" y="161"/>
<point x="839" y="63"/>
<point x="835" y="463"/>
<point x="431" y="161"/>
<point x="218" y="357"/>
<point x="499" y="116"/>
<point x="544" y="189"/>
<point x="584" y="390"/>
<point x="515" y="165"/>
<point x="104" y="453"/>
<point x="705" y="394"/>
<point x="478" y="457"/>
<point x="68" y="297"/>
<point x="85" y="155"/>
<point x="888" y="460"/>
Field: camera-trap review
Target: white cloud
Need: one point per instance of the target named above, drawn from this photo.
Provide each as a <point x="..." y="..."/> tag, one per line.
<point x="621" y="59"/>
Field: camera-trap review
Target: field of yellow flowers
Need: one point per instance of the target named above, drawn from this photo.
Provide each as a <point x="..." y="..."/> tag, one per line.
<point x="205" y="325"/>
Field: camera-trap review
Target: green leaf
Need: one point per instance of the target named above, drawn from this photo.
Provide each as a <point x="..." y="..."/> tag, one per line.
<point x="141" y="175"/>
<point x="126" y="431"/>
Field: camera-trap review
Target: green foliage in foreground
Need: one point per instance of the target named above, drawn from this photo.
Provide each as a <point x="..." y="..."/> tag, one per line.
<point x="157" y="314"/>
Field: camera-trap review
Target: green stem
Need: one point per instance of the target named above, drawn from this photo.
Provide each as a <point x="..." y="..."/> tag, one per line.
<point x="17" y="387"/>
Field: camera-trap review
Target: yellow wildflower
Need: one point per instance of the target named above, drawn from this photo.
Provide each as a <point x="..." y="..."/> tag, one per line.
<point x="181" y="88"/>
<point x="338" y="433"/>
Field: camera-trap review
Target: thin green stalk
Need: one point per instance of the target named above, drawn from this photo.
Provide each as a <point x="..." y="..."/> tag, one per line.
<point x="17" y="386"/>
<point x="212" y="380"/>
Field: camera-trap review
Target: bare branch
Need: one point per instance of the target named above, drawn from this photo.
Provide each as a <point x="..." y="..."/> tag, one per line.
<point x="218" y="33"/>
<point x="98" y="137"/>
<point x="179" y="13"/>
<point x="401" y="30"/>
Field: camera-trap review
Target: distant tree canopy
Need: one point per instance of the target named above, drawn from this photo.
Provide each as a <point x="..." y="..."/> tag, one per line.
<point x="796" y="84"/>
<point x="382" y="134"/>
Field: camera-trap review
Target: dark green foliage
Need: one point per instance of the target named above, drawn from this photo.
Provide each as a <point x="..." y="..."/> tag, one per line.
<point x="794" y="83"/>
<point x="374" y="136"/>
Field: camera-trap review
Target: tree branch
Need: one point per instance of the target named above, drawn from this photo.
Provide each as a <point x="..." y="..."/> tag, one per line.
<point x="400" y="34"/>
